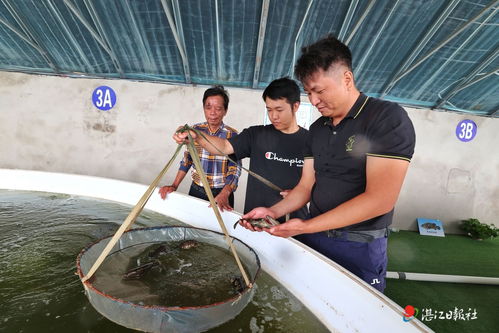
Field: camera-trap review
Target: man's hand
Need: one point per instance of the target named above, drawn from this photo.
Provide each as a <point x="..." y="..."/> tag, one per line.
<point x="222" y="200"/>
<point x="291" y="228"/>
<point x="256" y="213"/>
<point x="182" y="137"/>
<point x="163" y="191"/>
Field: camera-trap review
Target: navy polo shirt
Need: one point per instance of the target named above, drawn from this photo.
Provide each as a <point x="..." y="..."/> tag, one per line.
<point x="372" y="127"/>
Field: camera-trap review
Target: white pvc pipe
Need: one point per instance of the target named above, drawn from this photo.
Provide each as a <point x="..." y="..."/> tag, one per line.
<point x="442" y="278"/>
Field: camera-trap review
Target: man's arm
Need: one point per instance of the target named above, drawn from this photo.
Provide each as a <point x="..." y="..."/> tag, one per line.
<point x="185" y="165"/>
<point x="163" y="191"/>
<point x="300" y="194"/>
<point x="232" y="174"/>
<point x="294" y="200"/>
<point x="223" y="145"/>
<point x="385" y="177"/>
<point x="231" y="180"/>
<point x="222" y="199"/>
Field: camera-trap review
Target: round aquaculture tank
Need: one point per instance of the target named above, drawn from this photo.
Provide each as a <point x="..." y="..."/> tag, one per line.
<point x="169" y="279"/>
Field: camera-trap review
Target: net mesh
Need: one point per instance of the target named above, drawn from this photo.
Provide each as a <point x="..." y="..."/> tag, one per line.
<point x="169" y="279"/>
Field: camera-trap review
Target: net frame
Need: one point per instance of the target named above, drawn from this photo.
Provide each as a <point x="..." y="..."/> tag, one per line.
<point x="166" y="319"/>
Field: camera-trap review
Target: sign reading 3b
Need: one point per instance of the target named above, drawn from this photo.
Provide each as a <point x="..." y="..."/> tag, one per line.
<point x="466" y="130"/>
<point x="104" y="98"/>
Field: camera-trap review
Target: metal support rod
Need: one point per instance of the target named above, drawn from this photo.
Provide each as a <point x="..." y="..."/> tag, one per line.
<point x="28" y="36"/>
<point x="70" y="35"/>
<point x="298" y="35"/>
<point x="451" y="93"/>
<point x="220" y="66"/>
<point x="180" y="29"/>
<point x="447" y="40"/>
<point x="261" y="39"/>
<point x="494" y="112"/>
<point x="21" y="35"/>
<point x="93" y="14"/>
<point x="80" y="17"/>
<point x="373" y="42"/>
<point x="96" y="36"/>
<point x="360" y="21"/>
<point x="449" y="58"/>
<point x="179" y="40"/>
<point x="478" y="79"/>
<point x="150" y="66"/>
<point x="420" y="45"/>
<point x="348" y="19"/>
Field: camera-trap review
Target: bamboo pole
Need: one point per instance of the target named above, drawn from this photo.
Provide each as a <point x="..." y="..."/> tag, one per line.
<point x="130" y="218"/>
<point x="204" y="180"/>
<point x="254" y="174"/>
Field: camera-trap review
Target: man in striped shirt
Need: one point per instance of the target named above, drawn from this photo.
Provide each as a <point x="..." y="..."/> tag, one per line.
<point x="222" y="174"/>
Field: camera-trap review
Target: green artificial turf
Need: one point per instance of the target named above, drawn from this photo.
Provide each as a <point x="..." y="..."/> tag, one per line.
<point x="453" y="254"/>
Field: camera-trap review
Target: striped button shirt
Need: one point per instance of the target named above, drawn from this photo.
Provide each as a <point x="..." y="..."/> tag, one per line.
<point x="218" y="169"/>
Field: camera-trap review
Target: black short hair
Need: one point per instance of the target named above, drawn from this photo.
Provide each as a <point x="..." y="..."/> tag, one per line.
<point x="283" y="88"/>
<point x="217" y="91"/>
<point x="321" y="55"/>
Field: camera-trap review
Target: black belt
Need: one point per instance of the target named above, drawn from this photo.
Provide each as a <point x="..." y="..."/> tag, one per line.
<point x="362" y="236"/>
<point x="201" y="188"/>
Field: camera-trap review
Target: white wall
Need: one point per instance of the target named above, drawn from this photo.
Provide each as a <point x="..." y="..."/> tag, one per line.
<point x="448" y="179"/>
<point x="49" y="123"/>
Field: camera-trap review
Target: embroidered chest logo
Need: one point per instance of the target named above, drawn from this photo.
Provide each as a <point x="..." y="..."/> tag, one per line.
<point x="349" y="144"/>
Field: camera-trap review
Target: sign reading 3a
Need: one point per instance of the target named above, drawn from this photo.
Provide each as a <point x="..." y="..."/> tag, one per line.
<point x="104" y="98"/>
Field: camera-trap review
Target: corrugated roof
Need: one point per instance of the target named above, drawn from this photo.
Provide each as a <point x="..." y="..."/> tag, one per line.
<point x="437" y="54"/>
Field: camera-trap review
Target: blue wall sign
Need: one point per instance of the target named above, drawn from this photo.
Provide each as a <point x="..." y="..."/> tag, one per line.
<point x="466" y="130"/>
<point x="104" y="98"/>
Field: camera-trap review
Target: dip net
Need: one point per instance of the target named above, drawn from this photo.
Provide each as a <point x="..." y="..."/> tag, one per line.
<point x="169" y="279"/>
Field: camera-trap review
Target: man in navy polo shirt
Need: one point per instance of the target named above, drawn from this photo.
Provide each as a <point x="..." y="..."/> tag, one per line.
<point x="356" y="159"/>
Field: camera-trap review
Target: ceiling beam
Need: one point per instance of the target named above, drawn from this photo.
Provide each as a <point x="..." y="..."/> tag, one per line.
<point x="348" y="19"/>
<point x="96" y="36"/>
<point x="27" y="36"/>
<point x="261" y="39"/>
<point x="175" y="22"/>
<point x="420" y="45"/>
<point x="477" y="69"/>
<point x="447" y="40"/>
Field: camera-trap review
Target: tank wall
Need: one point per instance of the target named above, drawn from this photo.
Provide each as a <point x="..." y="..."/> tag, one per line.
<point x="50" y="124"/>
